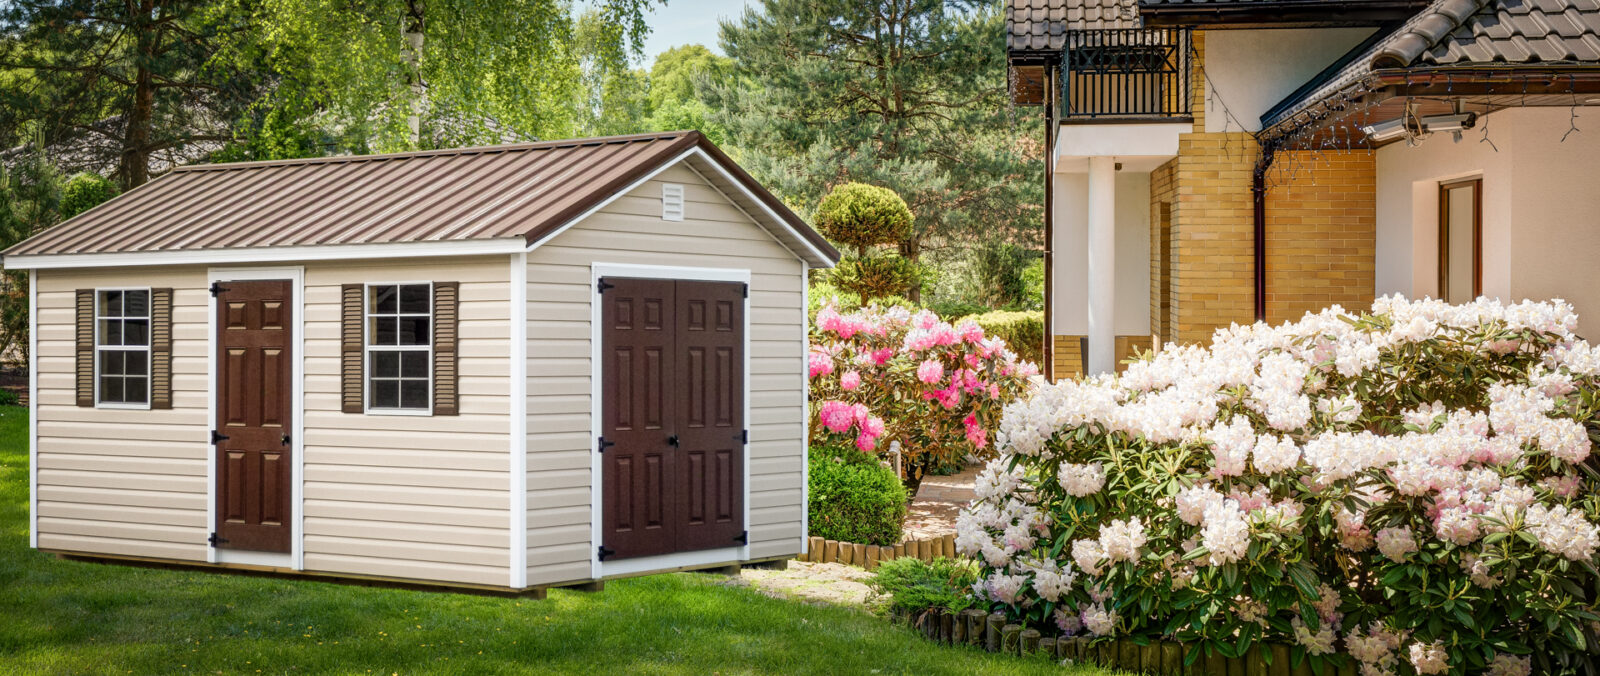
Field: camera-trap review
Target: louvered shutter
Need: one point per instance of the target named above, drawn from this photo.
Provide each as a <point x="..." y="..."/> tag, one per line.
<point x="350" y="373"/>
<point x="161" y="348"/>
<point x="446" y="395"/>
<point x="85" y="347"/>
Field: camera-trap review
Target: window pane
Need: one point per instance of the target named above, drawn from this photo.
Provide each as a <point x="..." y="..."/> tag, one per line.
<point x="136" y="303"/>
<point x="135" y="332"/>
<point x="384" y="330"/>
<point x="385" y="393"/>
<point x="111" y="332"/>
<point x="414" y="299"/>
<point x="112" y="362"/>
<point x="137" y="363"/>
<point x="414" y="364"/>
<point x="135" y="390"/>
<point x="110" y="389"/>
<point x="386" y="364"/>
<point x="383" y="299"/>
<point x="414" y="394"/>
<point x="414" y="331"/>
<point x="110" y="303"/>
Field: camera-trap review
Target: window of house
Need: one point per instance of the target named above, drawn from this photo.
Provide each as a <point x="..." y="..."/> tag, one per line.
<point x="399" y="347"/>
<point x="122" y="347"/>
<point x="1461" y="240"/>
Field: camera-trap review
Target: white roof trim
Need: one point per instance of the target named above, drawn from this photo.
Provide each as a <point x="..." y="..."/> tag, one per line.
<point x="314" y="252"/>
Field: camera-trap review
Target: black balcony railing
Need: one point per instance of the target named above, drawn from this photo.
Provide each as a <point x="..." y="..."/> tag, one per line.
<point x="1126" y="73"/>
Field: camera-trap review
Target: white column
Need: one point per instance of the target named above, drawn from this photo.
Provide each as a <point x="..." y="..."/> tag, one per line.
<point x="1102" y="262"/>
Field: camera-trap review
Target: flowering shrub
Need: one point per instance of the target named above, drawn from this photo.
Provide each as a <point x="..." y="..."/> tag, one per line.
<point x="888" y="374"/>
<point x="1410" y="488"/>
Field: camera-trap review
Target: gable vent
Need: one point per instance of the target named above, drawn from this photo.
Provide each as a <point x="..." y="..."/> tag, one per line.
<point x="671" y="202"/>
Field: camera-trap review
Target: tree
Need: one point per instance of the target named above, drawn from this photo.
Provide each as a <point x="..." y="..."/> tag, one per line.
<point x="30" y="197"/>
<point x="677" y="78"/>
<point x="909" y="94"/>
<point x="118" y="82"/>
<point x="613" y="97"/>
<point x="84" y="191"/>
<point x="426" y="73"/>
<point x="867" y="217"/>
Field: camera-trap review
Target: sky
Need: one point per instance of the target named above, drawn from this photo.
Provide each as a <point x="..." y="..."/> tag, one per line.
<point x="685" y="22"/>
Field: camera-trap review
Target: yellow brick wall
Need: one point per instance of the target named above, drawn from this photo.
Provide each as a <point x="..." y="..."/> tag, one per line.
<point x="1321" y="232"/>
<point x="1069" y="353"/>
<point x="1163" y="197"/>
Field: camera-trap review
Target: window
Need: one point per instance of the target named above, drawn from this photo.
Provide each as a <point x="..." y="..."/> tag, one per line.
<point x="399" y="347"/>
<point x="1460" y="240"/>
<point x="122" y="347"/>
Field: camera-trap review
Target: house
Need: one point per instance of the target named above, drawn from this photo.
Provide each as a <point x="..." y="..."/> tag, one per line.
<point x="1221" y="161"/>
<point x="503" y="368"/>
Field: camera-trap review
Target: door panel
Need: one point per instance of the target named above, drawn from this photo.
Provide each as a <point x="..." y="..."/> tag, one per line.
<point x="672" y="474"/>
<point x="254" y="389"/>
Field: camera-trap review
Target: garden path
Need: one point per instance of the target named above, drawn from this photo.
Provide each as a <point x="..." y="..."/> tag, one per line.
<point x="938" y="500"/>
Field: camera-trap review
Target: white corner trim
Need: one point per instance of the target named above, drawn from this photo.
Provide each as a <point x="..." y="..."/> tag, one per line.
<point x="276" y="254"/>
<point x="518" y="445"/>
<point x="598" y="569"/>
<point x="33" y="409"/>
<point x="805" y="410"/>
<point x="297" y="444"/>
<point x="608" y="200"/>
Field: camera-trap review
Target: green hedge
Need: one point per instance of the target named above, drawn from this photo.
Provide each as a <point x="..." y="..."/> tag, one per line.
<point x="855" y="499"/>
<point x="1022" y="331"/>
<point x="914" y="585"/>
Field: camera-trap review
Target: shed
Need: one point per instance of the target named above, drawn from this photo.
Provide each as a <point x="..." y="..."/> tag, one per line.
<point x="504" y="368"/>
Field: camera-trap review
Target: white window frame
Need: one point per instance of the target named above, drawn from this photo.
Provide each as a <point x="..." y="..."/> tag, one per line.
<point x="367" y="349"/>
<point x="149" y="388"/>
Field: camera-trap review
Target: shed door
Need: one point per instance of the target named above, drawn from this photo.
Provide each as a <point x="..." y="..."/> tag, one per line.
<point x="672" y="416"/>
<point x="254" y="382"/>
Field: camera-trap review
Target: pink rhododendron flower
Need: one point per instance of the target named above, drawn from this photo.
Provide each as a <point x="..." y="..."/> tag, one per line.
<point x="820" y="363"/>
<point x="837" y="416"/>
<point x="930" y="372"/>
<point x="850" y="381"/>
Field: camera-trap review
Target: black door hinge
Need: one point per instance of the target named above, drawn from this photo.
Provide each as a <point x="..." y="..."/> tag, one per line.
<point x="217" y="438"/>
<point x="745" y="289"/>
<point x="217" y="289"/>
<point x="742" y="538"/>
<point x="604" y="552"/>
<point x="214" y="540"/>
<point x="601" y="444"/>
<point x="743" y="436"/>
<point x="601" y="285"/>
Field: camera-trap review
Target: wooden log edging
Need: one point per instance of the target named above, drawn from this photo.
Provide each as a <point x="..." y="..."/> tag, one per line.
<point x="821" y="550"/>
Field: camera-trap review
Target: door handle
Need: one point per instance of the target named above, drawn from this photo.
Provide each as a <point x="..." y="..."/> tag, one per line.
<point x="673" y="441"/>
<point x="284" y="440"/>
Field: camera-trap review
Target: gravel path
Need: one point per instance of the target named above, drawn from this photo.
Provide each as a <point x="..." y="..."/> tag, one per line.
<point x="938" y="501"/>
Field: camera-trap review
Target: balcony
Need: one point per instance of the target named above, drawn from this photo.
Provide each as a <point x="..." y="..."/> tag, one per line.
<point x="1126" y="75"/>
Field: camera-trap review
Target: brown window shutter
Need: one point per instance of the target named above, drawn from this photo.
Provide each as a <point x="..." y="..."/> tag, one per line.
<point x="446" y="394"/>
<point x="85" y="339"/>
<point x="161" y="348"/>
<point x="351" y="341"/>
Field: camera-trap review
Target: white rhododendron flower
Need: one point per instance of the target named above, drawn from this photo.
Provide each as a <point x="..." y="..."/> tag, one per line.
<point x="1396" y="543"/>
<point x="1121" y="540"/>
<point x="1429" y="658"/>
<point x="1510" y="665"/>
<point x="1099" y="621"/>
<point x="1080" y="480"/>
<point x="1089" y="555"/>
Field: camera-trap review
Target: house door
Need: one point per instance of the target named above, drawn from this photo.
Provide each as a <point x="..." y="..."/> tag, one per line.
<point x="672" y="416"/>
<point x="254" y="383"/>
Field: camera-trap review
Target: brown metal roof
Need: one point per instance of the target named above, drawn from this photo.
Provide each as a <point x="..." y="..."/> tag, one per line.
<point x="524" y="190"/>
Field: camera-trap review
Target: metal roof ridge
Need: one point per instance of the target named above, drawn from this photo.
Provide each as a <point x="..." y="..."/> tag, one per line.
<point x="443" y="152"/>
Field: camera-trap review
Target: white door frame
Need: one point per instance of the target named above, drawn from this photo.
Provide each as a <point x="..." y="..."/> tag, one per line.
<point x="600" y="569"/>
<point x="296" y="557"/>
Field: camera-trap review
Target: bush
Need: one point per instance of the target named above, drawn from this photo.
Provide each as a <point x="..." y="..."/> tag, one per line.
<point x="1022" y="331"/>
<point x="854" y="498"/>
<point x="915" y="585"/>
<point x="83" y="192"/>
<point x="874" y="277"/>
<point x="880" y="375"/>
<point x="1410" y="488"/>
<point x="863" y="216"/>
<point x="9" y="398"/>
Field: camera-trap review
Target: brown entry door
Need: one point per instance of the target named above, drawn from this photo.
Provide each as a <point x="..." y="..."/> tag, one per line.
<point x="672" y="412"/>
<point x="254" y="381"/>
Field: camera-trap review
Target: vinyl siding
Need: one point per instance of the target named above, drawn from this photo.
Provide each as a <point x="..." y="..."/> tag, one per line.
<point x="423" y="497"/>
<point x="714" y="233"/>
<point x="117" y="481"/>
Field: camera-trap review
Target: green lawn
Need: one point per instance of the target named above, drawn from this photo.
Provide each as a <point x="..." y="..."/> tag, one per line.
<point x="64" y="617"/>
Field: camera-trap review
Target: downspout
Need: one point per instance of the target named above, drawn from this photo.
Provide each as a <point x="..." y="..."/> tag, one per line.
<point x="1049" y="365"/>
<point x="1258" y="191"/>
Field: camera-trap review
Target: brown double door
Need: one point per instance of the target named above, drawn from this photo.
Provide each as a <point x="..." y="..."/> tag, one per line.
<point x="254" y="384"/>
<point x="673" y="429"/>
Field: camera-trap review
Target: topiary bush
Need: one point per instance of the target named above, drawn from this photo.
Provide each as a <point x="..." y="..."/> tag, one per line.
<point x="912" y="585"/>
<point x="871" y="278"/>
<point x="863" y="216"/>
<point x="1411" y="488"/>
<point x="1022" y="331"/>
<point x="854" y="498"/>
<point x="83" y="192"/>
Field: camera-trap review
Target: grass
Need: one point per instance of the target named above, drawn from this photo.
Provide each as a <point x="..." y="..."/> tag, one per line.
<point x="65" y="617"/>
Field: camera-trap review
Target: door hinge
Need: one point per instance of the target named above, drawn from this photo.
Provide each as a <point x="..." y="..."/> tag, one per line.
<point x="742" y="538"/>
<point x="217" y="289"/>
<point x="745" y="289"/>
<point x="601" y="444"/>
<point x="214" y="540"/>
<point x="217" y="438"/>
<point x="604" y="552"/>
<point x="743" y="436"/>
<point x="601" y="285"/>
